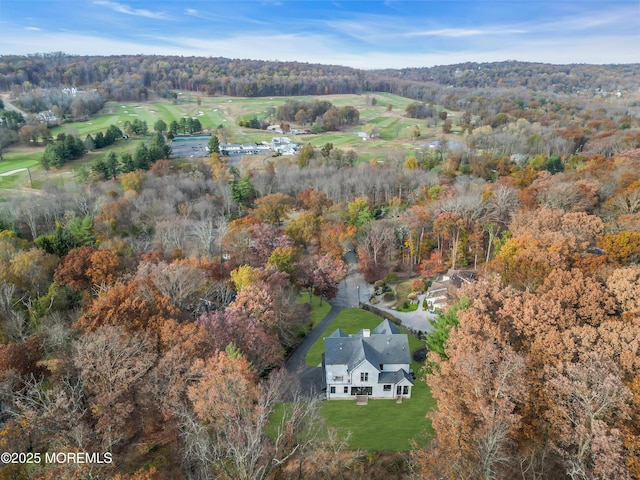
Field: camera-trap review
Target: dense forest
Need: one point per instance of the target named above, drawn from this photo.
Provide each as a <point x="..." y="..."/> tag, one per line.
<point x="135" y="77"/>
<point x="146" y="311"/>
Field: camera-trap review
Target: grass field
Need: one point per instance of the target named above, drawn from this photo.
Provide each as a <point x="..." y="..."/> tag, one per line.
<point x="18" y="158"/>
<point x="402" y="290"/>
<point x="394" y="141"/>
<point x="318" y="311"/>
<point x="381" y="424"/>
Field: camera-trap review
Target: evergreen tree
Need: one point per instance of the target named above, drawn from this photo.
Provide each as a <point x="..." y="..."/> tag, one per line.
<point x="117" y="133"/>
<point x="89" y="143"/>
<point x="442" y="325"/>
<point x="80" y="148"/>
<point x="554" y="164"/>
<point x="142" y="158"/>
<point x="81" y="229"/>
<point x="214" y="145"/>
<point x="160" y="126"/>
<point x="101" y="169"/>
<point x="173" y="128"/>
<point x="128" y="165"/>
<point x="99" y="140"/>
<point x="113" y="166"/>
<point x="243" y="191"/>
<point x="58" y="243"/>
<point x="109" y="138"/>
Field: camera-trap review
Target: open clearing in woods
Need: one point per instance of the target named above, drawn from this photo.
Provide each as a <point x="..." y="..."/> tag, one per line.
<point x="394" y="129"/>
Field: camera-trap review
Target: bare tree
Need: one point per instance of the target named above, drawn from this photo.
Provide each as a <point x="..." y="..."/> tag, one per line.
<point x="222" y="228"/>
<point x="204" y="230"/>
<point x="58" y="415"/>
<point x="110" y="363"/>
<point x="235" y="443"/>
<point x="590" y="399"/>
<point x="501" y="204"/>
<point x="171" y="233"/>
<point x="378" y="238"/>
<point x="182" y="284"/>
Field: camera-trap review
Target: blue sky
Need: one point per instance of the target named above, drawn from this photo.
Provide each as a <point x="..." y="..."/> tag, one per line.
<point x="361" y="34"/>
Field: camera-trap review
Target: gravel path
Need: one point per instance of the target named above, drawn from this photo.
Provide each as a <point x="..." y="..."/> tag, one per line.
<point x="11" y="172"/>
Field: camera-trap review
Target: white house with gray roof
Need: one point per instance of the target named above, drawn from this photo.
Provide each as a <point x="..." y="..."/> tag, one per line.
<point x="374" y="363"/>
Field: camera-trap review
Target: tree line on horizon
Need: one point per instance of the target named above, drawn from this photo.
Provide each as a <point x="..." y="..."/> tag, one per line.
<point x="135" y="77"/>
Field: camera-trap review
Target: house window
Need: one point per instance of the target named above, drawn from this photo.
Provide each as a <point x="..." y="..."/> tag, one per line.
<point x="405" y="390"/>
<point x="364" y="376"/>
<point x="386" y="388"/>
<point x="333" y="389"/>
<point x="361" y="390"/>
<point x="345" y="390"/>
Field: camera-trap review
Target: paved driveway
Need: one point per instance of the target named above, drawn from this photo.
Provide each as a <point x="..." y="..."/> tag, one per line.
<point x="351" y="290"/>
<point x="310" y="378"/>
<point x="417" y="320"/>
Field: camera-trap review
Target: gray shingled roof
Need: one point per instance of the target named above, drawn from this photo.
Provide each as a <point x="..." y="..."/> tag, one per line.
<point x="338" y="333"/>
<point x="387" y="327"/>
<point x="376" y="349"/>
<point x="394" y="377"/>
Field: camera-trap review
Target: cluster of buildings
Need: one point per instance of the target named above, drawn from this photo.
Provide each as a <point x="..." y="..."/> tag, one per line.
<point x="70" y="91"/>
<point x="279" y="145"/>
<point x="292" y="131"/>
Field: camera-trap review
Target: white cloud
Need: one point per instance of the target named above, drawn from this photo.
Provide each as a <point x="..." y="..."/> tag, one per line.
<point x="33" y="29"/>
<point x="192" y="12"/>
<point x="606" y="48"/>
<point x="464" y="32"/>
<point x="138" y="12"/>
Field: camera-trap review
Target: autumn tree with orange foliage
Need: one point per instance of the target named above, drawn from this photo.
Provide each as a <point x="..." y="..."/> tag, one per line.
<point x="272" y="208"/>
<point x="313" y="200"/>
<point x="622" y="246"/>
<point x="228" y="436"/>
<point x="565" y="332"/>
<point x="590" y="405"/>
<point x="126" y="305"/>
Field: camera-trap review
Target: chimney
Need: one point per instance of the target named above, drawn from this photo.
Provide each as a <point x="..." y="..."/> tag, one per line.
<point x="366" y="332"/>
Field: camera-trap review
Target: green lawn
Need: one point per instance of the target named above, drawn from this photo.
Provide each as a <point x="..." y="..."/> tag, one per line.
<point x="20" y="159"/>
<point x="382" y="424"/>
<point x="318" y="311"/>
<point x="23" y="157"/>
<point x="14" y="160"/>
<point x="402" y="290"/>
<point x="118" y="113"/>
<point x="349" y="320"/>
